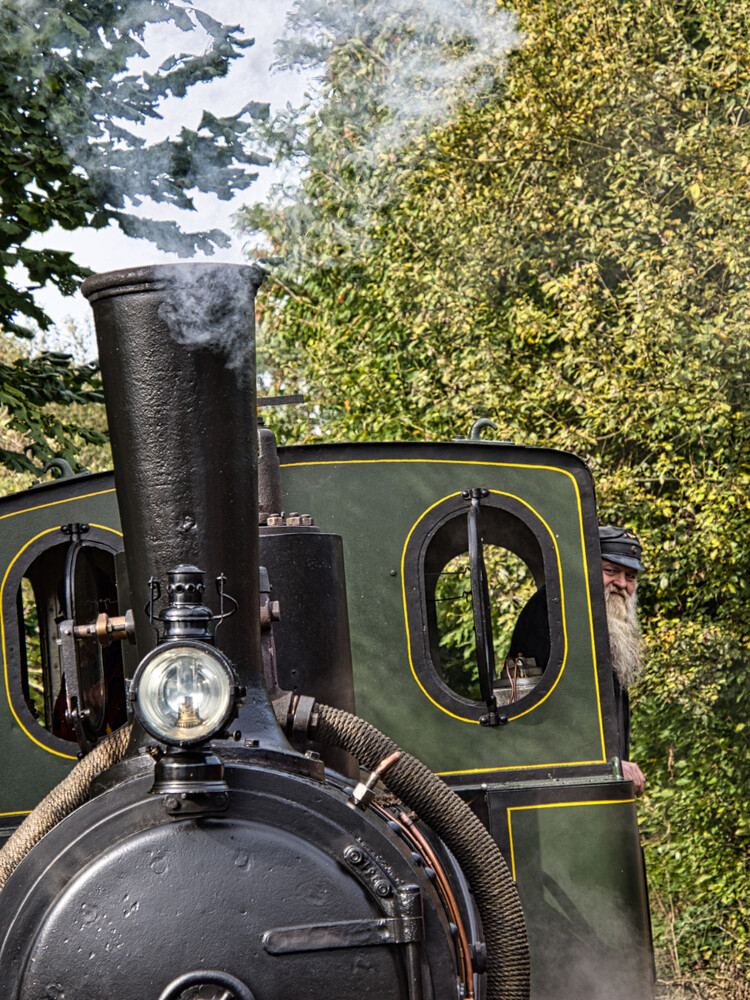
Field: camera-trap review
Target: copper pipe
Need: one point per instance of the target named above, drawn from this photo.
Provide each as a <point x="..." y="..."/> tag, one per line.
<point x="387" y="762"/>
<point x="106" y="630"/>
<point x="411" y="833"/>
<point x="362" y="794"/>
<point x="451" y="903"/>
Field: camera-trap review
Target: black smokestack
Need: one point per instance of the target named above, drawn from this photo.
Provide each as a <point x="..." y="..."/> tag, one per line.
<point x="176" y="346"/>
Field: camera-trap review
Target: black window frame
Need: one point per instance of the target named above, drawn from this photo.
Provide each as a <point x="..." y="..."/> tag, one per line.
<point x="14" y="651"/>
<point x="435" y="539"/>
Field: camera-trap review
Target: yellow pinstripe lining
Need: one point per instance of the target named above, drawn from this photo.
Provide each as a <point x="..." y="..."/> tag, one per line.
<point x="554" y="805"/>
<point x="54" y="503"/>
<point x="406" y="615"/>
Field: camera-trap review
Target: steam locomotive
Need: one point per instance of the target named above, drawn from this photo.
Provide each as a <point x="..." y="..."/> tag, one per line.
<point x="183" y="655"/>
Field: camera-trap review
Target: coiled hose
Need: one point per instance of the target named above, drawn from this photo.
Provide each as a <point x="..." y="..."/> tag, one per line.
<point x="508" y="966"/>
<point x="72" y="792"/>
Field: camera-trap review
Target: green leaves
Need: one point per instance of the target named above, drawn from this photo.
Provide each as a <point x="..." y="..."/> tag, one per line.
<point x="72" y="92"/>
<point x="35" y="394"/>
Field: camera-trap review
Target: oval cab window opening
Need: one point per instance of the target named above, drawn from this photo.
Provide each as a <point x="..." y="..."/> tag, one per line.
<point x="482" y="604"/>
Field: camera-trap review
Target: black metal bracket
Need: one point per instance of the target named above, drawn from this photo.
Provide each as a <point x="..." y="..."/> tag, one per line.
<point x="406" y="927"/>
<point x="343" y="934"/>
<point x="480" y="600"/>
<point x="75" y="712"/>
<point x="193" y="804"/>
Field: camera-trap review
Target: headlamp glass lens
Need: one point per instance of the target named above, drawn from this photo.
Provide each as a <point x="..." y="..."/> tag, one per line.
<point x="184" y="694"/>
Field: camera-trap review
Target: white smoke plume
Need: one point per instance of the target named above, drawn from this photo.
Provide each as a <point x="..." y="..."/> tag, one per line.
<point x="390" y="75"/>
<point x="434" y="54"/>
<point x="211" y="307"/>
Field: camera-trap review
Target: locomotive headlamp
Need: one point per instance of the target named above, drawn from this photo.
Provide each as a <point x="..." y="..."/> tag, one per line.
<point x="184" y="692"/>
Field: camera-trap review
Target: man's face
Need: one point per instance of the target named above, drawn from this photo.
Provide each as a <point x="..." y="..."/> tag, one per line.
<point x="622" y="578"/>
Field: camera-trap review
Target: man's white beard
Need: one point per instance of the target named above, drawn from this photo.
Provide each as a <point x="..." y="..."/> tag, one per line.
<point x="624" y="633"/>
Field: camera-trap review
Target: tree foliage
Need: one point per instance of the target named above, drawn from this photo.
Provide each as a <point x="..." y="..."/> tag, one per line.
<point x="567" y="253"/>
<point x="74" y="90"/>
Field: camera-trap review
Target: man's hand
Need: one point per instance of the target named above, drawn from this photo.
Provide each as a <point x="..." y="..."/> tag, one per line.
<point x="631" y="772"/>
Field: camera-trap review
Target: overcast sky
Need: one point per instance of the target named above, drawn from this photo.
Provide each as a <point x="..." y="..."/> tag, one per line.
<point x="249" y="79"/>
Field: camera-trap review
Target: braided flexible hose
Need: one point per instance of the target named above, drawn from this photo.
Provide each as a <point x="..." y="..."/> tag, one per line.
<point x="63" y="799"/>
<point x="508" y="966"/>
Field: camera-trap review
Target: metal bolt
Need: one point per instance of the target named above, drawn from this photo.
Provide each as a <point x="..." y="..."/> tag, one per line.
<point x="274" y="520"/>
<point x="354" y="855"/>
<point x="251" y="743"/>
<point x="221" y="799"/>
<point x="382" y="888"/>
<point x="296" y="520"/>
<point x="312" y="755"/>
<point x="172" y="803"/>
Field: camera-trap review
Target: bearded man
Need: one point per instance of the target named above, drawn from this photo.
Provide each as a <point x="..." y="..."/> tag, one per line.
<point x="621" y="564"/>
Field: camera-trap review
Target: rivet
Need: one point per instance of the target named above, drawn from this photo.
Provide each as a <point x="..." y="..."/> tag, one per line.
<point x="354" y="855"/>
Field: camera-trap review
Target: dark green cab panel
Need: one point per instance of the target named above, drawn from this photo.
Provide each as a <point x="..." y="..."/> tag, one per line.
<point x="380" y="497"/>
<point x="30" y="525"/>
<point x="574" y="851"/>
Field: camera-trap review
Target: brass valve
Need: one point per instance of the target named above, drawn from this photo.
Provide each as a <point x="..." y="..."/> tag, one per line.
<point x="106" y="630"/>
